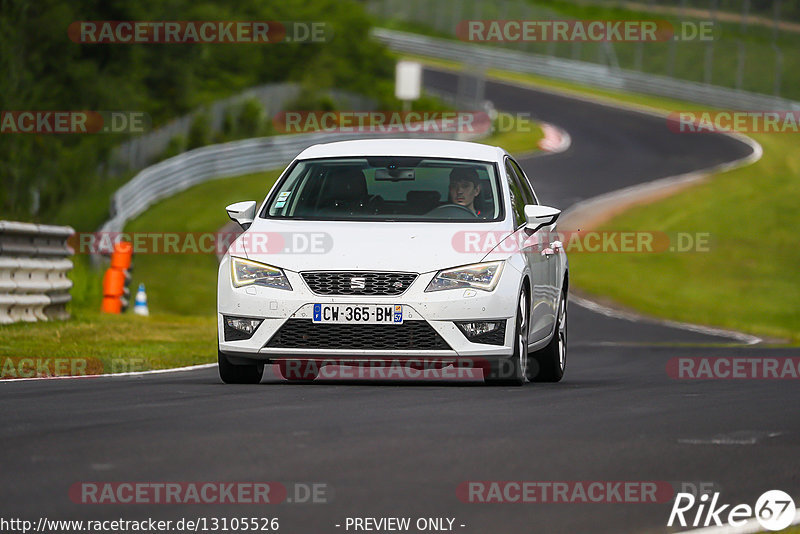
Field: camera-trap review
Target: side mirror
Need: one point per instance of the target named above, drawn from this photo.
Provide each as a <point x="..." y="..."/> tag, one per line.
<point x="242" y="212"/>
<point x="539" y="216"/>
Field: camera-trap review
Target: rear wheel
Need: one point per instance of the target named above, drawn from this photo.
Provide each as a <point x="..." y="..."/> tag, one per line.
<point x="548" y="364"/>
<point x="511" y="371"/>
<point x="239" y="374"/>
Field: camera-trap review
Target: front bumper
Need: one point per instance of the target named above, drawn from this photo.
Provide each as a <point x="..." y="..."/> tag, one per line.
<point x="436" y="310"/>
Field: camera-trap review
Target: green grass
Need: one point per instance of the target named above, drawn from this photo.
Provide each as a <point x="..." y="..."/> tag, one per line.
<point x="748" y="281"/>
<point x="113" y="343"/>
<point x="520" y="136"/>
<point x="185" y="284"/>
<point x="89" y="210"/>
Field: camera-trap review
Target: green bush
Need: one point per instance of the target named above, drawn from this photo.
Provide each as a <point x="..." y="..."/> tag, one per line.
<point x="44" y="70"/>
<point x="250" y="119"/>
<point x="199" y="131"/>
<point x="175" y="146"/>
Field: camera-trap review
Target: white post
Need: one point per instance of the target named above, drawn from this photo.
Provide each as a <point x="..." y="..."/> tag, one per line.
<point x="408" y="82"/>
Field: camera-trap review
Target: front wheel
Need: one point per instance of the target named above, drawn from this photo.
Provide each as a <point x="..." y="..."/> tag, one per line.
<point x="548" y="364"/>
<point x="239" y="374"/>
<point x="511" y="371"/>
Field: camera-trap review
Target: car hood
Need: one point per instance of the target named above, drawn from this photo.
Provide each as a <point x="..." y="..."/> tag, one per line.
<point x="369" y="246"/>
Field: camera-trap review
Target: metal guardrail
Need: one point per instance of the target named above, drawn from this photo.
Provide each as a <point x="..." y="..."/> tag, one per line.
<point x="34" y="262"/>
<point x="137" y="153"/>
<point x="579" y="71"/>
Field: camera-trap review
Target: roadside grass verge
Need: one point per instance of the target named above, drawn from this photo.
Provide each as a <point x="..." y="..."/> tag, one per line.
<point x="185" y="284"/>
<point x="519" y="136"/>
<point x="748" y="281"/>
<point x="119" y="342"/>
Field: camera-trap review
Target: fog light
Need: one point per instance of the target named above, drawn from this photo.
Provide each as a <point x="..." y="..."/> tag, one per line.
<point x="238" y="328"/>
<point x="489" y="332"/>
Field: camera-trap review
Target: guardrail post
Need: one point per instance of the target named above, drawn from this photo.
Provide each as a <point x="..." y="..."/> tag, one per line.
<point x="34" y="262"/>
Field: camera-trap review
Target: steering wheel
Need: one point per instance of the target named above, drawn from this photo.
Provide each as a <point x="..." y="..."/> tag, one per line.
<point x="454" y="209"/>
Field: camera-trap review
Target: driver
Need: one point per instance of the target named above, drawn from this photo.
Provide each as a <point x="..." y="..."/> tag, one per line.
<point x="465" y="187"/>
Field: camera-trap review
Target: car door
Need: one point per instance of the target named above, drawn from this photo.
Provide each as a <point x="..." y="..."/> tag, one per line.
<point x="532" y="249"/>
<point x="549" y="250"/>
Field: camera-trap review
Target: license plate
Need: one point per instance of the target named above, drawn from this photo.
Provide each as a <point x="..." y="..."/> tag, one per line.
<point x="358" y="313"/>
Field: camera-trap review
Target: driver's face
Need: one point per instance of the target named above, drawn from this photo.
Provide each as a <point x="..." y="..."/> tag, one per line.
<point x="463" y="193"/>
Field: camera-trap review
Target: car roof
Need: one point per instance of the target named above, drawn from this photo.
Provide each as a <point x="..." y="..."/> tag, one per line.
<point x="405" y="147"/>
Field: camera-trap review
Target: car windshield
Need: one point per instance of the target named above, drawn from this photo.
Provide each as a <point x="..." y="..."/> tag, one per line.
<point x="388" y="188"/>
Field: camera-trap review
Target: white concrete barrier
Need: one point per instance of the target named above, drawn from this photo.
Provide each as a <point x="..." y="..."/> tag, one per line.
<point x="34" y="262"/>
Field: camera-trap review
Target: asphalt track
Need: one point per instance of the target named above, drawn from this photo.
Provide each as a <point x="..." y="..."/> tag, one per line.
<point x="399" y="449"/>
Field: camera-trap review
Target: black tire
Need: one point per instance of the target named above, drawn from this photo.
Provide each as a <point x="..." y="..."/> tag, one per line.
<point x="239" y="374"/>
<point x="511" y="371"/>
<point x="549" y="363"/>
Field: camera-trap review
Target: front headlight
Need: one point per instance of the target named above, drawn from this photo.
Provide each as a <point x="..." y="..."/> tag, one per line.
<point x="245" y="272"/>
<point x="478" y="276"/>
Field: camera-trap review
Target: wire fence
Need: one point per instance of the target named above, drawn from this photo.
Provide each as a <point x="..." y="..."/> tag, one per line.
<point x="482" y="57"/>
<point x="141" y="151"/>
<point x="753" y="49"/>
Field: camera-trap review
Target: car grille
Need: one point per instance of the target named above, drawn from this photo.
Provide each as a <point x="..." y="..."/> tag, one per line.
<point x="305" y="334"/>
<point x="374" y="283"/>
<point x="495" y="337"/>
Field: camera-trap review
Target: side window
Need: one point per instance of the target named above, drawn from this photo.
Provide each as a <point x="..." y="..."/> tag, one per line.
<point x="517" y="196"/>
<point x="525" y="183"/>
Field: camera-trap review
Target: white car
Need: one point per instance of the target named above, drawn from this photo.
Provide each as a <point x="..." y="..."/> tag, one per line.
<point x="418" y="251"/>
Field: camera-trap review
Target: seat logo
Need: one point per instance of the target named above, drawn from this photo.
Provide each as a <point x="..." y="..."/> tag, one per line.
<point x="358" y="282"/>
